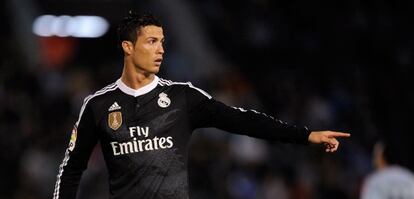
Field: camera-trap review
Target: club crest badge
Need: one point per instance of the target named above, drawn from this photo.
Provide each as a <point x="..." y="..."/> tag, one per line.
<point x="115" y="120"/>
<point x="73" y="137"/>
<point x="163" y="100"/>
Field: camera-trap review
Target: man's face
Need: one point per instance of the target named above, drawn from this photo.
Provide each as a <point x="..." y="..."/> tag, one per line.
<point x="148" y="50"/>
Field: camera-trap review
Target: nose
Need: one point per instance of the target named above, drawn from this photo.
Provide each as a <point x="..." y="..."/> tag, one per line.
<point x="160" y="49"/>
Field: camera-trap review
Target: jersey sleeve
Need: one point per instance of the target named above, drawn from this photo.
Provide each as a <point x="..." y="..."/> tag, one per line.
<point x="82" y="141"/>
<point x="204" y="111"/>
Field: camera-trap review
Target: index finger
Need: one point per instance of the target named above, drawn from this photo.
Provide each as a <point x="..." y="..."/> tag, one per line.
<point x="339" y="134"/>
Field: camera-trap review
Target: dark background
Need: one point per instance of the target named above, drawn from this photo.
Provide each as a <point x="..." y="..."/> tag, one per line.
<point x="343" y="66"/>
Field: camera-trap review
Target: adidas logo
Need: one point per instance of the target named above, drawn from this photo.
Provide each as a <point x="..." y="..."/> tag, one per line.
<point x="114" y="106"/>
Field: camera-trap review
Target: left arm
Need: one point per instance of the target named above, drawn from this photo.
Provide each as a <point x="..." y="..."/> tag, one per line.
<point x="207" y="112"/>
<point x="249" y="122"/>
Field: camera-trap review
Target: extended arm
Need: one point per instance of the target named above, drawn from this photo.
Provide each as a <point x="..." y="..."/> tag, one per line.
<point x="251" y="123"/>
<point x="207" y="112"/>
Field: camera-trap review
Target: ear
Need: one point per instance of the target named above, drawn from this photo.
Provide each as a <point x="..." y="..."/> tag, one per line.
<point x="127" y="46"/>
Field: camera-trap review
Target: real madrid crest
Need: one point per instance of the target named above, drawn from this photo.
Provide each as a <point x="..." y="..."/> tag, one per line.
<point x="163" y="100"/>
<point x="115" y="120"/>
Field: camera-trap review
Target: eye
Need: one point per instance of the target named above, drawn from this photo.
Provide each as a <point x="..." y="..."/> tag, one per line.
<point x="152" y="41"/>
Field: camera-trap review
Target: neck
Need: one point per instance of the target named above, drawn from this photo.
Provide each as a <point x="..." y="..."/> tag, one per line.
<point x="382" y="164"/>
<point x="135" y="79"/>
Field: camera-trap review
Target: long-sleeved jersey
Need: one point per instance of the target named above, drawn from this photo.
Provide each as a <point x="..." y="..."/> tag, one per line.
<point x="144" y="135"/>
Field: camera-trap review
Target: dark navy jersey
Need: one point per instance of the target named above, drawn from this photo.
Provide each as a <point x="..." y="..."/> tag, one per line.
<point x="144" y="135"/>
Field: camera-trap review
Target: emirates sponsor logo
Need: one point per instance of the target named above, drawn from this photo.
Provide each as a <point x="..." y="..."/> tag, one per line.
<point x="140" y="142"/>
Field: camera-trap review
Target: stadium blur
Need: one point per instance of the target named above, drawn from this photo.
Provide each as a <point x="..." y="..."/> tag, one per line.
<point x="338" y="65"/>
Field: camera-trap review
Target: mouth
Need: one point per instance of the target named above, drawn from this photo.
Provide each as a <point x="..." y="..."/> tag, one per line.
<point x="158" y="61"/>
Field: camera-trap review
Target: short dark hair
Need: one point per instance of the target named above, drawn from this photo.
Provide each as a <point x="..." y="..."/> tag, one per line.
<point x="392" y="152"/>
<point x="128" y="29"/>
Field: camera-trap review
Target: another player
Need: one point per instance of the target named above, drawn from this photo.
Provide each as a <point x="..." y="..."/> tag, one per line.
<point x="390" y="179"/>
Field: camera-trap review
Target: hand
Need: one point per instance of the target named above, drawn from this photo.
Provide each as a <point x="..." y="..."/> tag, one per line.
<point x="327" y="138"/>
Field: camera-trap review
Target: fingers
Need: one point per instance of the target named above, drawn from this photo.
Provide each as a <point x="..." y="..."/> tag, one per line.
<point x="331" y="148"/>
<point x="338" y="134"/>
<point x="335" y="146"/>
<point x="331" y="144"/>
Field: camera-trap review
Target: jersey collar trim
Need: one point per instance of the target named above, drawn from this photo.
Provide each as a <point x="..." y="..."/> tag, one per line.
<point x="137" y="92"/>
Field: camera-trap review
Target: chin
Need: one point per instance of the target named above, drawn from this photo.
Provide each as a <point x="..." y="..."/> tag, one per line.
<point x="155" y="70"/>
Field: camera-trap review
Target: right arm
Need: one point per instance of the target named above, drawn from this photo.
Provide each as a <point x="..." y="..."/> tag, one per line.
<point x="82" y="142"/>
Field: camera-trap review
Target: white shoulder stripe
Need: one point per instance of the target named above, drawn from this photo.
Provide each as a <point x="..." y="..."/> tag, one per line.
<point x="200" y="90"/>
<point x="257" y="112"/>
<point x="97" y="93"/>
<point x="104" y="90"/>
<point x="164" y="82"/>
<point x="261" y="113"/>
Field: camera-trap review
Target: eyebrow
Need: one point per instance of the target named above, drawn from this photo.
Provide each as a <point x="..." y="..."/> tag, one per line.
<point x="157" y="38"/>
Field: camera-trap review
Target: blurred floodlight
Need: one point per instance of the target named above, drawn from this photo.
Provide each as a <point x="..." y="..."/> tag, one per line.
<point x="68" y="26"/>
<point x="42" y="24"/>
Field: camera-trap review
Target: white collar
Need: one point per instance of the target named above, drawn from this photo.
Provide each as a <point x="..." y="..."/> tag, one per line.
<point x="137" y="92"/>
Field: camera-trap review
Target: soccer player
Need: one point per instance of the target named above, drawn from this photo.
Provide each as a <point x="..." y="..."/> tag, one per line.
<point x="144" y="124"/>
<point x="390" y="179"/>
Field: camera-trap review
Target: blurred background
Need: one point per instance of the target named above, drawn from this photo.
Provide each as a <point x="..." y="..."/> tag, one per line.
<point x="343" y="66"/>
